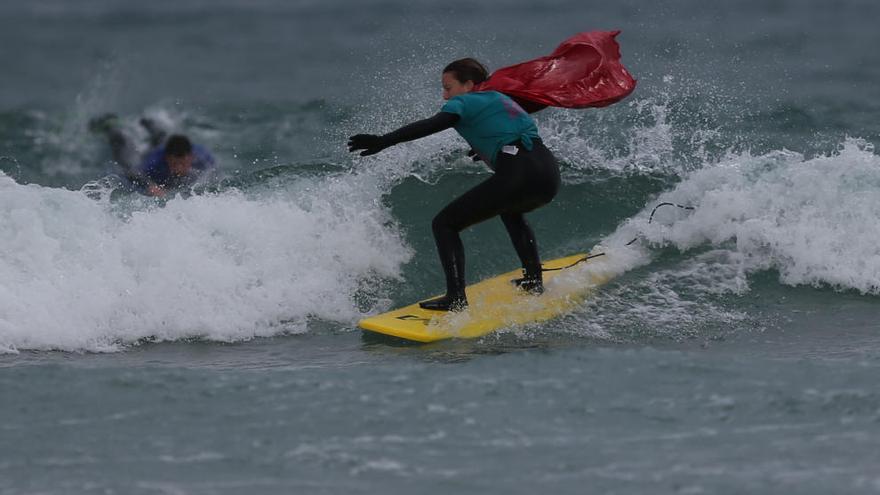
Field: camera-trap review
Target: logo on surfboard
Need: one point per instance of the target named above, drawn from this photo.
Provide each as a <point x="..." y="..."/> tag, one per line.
<point x="424" y="321"/>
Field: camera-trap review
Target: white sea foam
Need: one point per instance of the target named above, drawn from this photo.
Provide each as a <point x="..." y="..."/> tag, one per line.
<point x="675" y="302"/>
<point x="75" y="275"/>
<point x="816" y="220"/>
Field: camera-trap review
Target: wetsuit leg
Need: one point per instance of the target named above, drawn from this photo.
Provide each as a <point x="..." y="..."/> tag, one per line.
<point x="545" y="183"/>
<point x="123" y="149"/>
<point x="156" y="132"/>
<point x="470" y="208"/>
<point x="523" y="239"/>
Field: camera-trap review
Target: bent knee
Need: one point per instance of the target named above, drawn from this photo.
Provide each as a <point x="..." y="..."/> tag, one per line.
<point x="441" y="224"/>
<point x="448" y="221"/>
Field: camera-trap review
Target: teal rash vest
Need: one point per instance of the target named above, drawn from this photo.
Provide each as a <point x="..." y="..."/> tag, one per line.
<point x="489" y="120"/>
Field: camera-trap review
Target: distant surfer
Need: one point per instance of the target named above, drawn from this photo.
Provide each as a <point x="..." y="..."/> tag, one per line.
<point x="172" y="164"/>
<point x="525" y="177"/>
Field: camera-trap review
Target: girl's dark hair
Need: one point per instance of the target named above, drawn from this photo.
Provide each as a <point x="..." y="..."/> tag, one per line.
<point x="467" y="69"/>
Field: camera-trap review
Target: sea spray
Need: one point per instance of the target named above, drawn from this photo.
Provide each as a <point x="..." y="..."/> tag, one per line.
<point x="815" y="220"/>
<point x="76" y="276"/>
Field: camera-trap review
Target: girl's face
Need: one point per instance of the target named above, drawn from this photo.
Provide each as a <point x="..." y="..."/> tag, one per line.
<point x="452" y="87"/>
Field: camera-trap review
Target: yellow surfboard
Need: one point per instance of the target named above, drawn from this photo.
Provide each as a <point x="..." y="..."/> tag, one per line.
<point x="497" y="303"/>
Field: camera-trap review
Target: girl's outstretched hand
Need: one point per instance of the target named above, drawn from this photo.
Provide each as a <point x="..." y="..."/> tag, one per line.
<point x="369" y="143"/>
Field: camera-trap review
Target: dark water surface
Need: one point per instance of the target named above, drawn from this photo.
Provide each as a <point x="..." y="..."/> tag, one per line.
<point x="208" y="344"/>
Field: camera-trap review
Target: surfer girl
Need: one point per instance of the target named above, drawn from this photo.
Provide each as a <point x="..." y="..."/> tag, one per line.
<point x="525" y="176"/>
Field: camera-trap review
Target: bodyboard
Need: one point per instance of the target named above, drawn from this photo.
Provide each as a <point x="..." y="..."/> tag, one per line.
<point x="497" y="303"/>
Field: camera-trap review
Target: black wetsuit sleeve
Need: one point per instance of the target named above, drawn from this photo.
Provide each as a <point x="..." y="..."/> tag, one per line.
<point x="421" y="128"/>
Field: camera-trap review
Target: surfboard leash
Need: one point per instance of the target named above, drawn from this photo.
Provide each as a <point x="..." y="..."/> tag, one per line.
<point x="651" y="218"/>
<point x="581" y="260"/>
<point x="591" y="256"/>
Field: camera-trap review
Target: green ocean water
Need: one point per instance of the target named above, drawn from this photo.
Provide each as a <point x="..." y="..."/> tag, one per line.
<point x="207" y="343"/>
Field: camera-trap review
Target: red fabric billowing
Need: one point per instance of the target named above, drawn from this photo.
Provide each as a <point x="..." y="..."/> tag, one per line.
<point x="584" y="71"/>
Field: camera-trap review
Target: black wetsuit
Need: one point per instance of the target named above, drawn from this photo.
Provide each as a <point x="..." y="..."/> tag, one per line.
<point x="522" y="182"/>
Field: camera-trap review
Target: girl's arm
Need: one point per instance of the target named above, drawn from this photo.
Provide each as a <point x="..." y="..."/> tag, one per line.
<point x="372" y="144"/>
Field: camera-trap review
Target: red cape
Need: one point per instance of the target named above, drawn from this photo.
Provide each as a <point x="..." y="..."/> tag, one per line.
<point x="584" y="71"/>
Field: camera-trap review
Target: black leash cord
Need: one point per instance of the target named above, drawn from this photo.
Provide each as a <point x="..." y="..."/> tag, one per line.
<point x="651" y="218"/>
<point x="585" y="258"/>
<point x="591" y="256"/>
